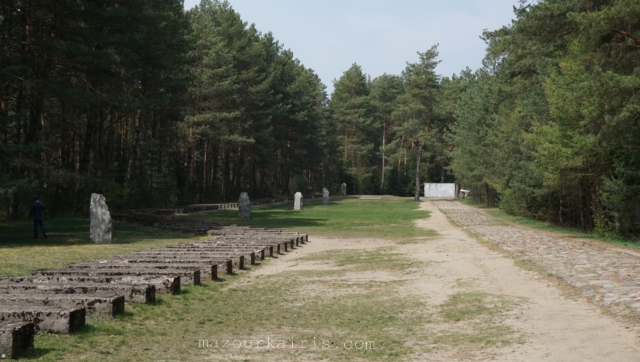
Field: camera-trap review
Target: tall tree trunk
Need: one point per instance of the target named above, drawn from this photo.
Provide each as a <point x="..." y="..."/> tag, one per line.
<point x="442" y="172"/>
<point x="199" y="172"/>
<point x="205" y="174"/>
<point x="560" y="210"/>
<point x="85" y="163"/>
<point x="132" y="162"/>
<point x="226" y="175"/>
<point x="189" y="171"/>
<point x="214" y="172"/>
<point x="262" y="181"/>
<point x="102" y="166"/>
<point x="487" y="202"/>
<point x="582" y="222"/>
<point x="35" y="121"/>
<point x="253" y="181"/>
<point x="14" y="207"/>
<point x="418" y="161"/>
<point x="237" y="167"/>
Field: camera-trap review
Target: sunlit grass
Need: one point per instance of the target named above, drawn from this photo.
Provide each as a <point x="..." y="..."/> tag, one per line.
<point x="390" y="219"/>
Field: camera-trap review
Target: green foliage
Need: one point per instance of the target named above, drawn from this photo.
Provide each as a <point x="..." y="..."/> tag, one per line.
<point x="549" y="124"/>
<point x="354" y="114"/>
<point x="150" y="105"/>
<point x="390" y="219"/>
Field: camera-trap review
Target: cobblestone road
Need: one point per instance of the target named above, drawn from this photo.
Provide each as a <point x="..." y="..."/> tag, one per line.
<point x="609" y="276"/>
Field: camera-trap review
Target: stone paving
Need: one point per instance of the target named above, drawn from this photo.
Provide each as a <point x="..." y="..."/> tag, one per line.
<point x="608" y="276"/>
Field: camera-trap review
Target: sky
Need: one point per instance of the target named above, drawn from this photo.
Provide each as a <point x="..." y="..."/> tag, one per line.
<point x="328" y="36"/>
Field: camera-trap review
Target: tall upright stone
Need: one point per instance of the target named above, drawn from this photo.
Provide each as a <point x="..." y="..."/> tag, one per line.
<point x="298" y="203"/>
<point x="343" y="190"/>
<point x="325" y="195"/>
<point x="244" y="206"/>
<point x="101" y="229"/>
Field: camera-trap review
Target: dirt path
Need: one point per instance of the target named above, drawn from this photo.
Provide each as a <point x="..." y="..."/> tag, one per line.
<point x="530" y="316"/>
<point x="558" y="329"/>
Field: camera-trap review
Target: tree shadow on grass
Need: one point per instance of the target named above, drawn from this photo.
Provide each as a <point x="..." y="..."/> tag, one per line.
<point x="74" y="232"/>
<point x="268" y="219"/>
<point x="34" y="353"/>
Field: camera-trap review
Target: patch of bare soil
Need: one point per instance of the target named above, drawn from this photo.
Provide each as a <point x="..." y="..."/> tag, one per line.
<point x="557" y="328"/>
<point x="482" y="305"/>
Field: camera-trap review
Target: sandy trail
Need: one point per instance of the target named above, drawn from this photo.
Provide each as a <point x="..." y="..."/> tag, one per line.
<point x="557" y="328"/>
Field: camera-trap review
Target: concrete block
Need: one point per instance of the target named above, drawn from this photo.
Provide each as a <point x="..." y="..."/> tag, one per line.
<point x="261" y="250"/>
<point x="139" y="293"/>
<point x="275" y="246"/>
<point x="219" y="264"/>
<point x="208" y="267"/>
<point x="237" y="261"/>
<point x="45" y="319"/>
<point x="163" y="284"/>
<point x="187" y="277"/>
<point x="94" y="305"/>
<point x="217" y="258"/>
<point x="207" y="270"/>
<point x="15" y="338"/>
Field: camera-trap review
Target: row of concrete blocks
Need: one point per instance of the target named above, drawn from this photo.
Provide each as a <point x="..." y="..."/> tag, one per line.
<point x="58" y="301"/>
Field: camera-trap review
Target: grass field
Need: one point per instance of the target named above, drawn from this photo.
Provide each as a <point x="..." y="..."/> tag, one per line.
<point x="390" y="219"/>
<point x="315" y="306"/>
<point x="69" y="242"/>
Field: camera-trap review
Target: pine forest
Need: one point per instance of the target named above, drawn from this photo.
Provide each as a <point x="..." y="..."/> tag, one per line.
<point x="154" y="106"/>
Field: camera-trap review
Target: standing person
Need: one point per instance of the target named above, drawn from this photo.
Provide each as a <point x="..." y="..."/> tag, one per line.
<point x="36" y="212"/>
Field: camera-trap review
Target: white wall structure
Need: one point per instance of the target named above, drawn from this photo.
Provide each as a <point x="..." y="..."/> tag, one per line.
<point x="440" y="190"/>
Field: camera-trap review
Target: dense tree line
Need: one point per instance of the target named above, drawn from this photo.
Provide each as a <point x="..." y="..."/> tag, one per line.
<point x="150" y="105"/>
<point x="391" y="131"/>
<point x="154" y="106"/>
<point x="549" y="127"/>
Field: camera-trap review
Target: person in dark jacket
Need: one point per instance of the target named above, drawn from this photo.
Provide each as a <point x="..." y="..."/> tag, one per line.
<point x="36" y="212"/>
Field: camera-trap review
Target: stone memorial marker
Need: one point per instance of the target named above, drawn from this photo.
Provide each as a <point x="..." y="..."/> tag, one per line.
<point x="298" y="202"/>
<point x="325" y="195"/>
<point x="101" y="230"/>
<point x="343" y="190"/>
<point x="244" y="206"/>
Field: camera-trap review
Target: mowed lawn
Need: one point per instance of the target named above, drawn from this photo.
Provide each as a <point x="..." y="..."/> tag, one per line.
<point x="391" y="218"/>
<point x="296" y="305"/>
<point x="69" y="242"/>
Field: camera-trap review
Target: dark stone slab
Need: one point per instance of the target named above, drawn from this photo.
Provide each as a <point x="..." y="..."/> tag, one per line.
<point x="215" y="257"/>
<point x="163" y="284"/>
<point x="45" y="319"/>
<point x="187" y="277"/>
<point x="253" y="253"/>
<point x="94" y="304"/>
<point x="213" y="246"/>
<point x="220" y="264"/>
<point x="276" y="247"/>
<point x="207" y="270"/>
<point x="140" y="293"/>
<point x="245" y="241"/>
<point x="208" y="267"/>
<point x="15" y="338"/>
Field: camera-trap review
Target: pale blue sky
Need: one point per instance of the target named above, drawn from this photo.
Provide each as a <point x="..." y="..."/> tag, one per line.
<point x="380" y="35"/>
